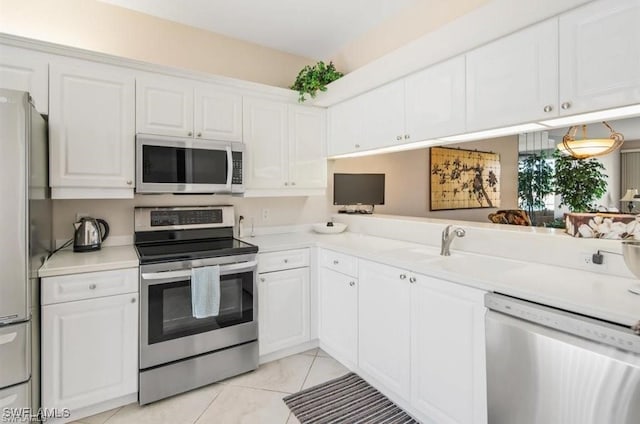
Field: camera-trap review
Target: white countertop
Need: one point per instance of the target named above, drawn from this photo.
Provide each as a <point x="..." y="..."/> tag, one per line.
<point x="67" y="262"/>
<point x="599" y="295"/>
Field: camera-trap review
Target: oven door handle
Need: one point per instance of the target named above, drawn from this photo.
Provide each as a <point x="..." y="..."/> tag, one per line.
<point x="229" y="167"/>
<point x="183" y="273"/>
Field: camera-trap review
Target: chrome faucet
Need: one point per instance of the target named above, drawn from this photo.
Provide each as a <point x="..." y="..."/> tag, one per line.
<point x="447" y="238"/>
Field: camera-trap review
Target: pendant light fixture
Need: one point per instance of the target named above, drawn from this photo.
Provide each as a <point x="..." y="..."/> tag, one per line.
<point x="589" y="147"/>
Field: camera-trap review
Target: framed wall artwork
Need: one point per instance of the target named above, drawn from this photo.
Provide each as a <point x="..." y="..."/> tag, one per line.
<point x="464" y="179"/>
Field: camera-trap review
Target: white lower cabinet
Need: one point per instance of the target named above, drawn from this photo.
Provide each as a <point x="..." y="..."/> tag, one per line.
<point x="89" y="349"/>
<point x="338" y="310"/>
<point x="383" y="308"/>
<point x="283" y="312"/>
<point x="448" y="376"/>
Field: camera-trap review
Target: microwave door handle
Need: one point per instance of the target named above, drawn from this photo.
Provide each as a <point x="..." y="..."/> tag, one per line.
<point x="229" y="167"/>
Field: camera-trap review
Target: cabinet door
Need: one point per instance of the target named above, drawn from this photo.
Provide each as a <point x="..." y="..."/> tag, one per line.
<point x="384" y="325"/>
<point x="435" y="101"/>
<point x="267" y="143"/>
<point x="284" y="309"/>
<point x="339" y="315"/>
<point x="345" y="127"/>
<point x="218" y="114"/>
<point x="514" y="79"/>
<point x="91" y="127"/>
<point x="448" y="378"/>
<point x="600" y="56"/>
<point x="307" y="147"/>
<point x="164" y="106"/>
<point x="89" y="351"/>
<point x="384" y="116"/>
<point x="26" y="70"/>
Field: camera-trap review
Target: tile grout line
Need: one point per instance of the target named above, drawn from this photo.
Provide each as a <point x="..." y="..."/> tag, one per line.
<point x="112" y="415"/>
<point x="208" y="405"/>
<point x="309" y="370"/>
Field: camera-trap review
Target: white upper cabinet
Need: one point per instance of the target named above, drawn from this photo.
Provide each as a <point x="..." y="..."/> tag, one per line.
<point x="384" y="118"/>
<point x="435" y="101"/>
<point x="384" y="318"/>
<point x="91" y="130"/>
<point x="514" y="79"/>
<point x="448" y="377"/>
<point x="267" y="142"/>
<point x="184" y="108"/>
<point x="26" y="70"/>
<point x="164" y="106"/>
<point x="307" y="147"/>
<point x="286" y="146"/>
<point x="218" y="114"/>
<point x="600" y="56"/>
<point x="345" y="127"/>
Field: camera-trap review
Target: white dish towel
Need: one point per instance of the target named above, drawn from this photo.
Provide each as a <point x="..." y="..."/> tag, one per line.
<point x="205" y="291"/>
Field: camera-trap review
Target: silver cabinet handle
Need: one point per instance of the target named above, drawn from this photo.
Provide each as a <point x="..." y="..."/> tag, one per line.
<point x="352" y="283"/>
<point x="199" y="134"/>
<point x="133" y="300"/>
<point x="407" y="136"/>
<point x="399" y="138"/>
<point x="357" y="146"/>
<point x="412" y="279"/>
<point x="286" y="261"/>
<point x="262" y="279"/>
<point x="293" y="183"/>
<point x="403" y="276"/>
<point x="286" y="184"/>
<point x="129" y="182"/>
<point x="92" y="286"/>
<point x="548" y="108"/>
<point x="189" y="133"/>
<point x="565" y="105"/>
<point x="336" y="262"/>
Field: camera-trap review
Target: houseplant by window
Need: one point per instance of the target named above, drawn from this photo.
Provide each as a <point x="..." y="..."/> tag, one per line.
<point x="313" y="78"/>
<point x="535" y="182"/>
<point x="579" y="182"/>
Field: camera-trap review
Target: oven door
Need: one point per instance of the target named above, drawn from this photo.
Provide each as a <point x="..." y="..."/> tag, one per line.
<point x="182" y="165"/>
<point x="168" y="330"/>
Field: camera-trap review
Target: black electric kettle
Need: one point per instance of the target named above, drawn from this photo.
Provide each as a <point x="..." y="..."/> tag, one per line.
<point x="89" y="236"/>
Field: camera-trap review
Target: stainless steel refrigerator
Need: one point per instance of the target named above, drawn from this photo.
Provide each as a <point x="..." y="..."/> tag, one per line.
<point x="25" y="242"/>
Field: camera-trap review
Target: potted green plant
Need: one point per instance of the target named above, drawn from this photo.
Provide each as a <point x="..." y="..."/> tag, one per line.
<point x="579" y="182"/>
<point x="535" y="182"/>
<point x="313" y="78"/>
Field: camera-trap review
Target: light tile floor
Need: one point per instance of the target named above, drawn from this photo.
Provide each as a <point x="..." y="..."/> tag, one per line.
<point x="255" y="397"/>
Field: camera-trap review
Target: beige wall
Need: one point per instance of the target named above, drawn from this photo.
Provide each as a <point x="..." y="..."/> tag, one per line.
<point x="407" y="179"/>
<point x="119" y="213"/>
<point x="426" y="16"/>
<point x="109" y="29"/>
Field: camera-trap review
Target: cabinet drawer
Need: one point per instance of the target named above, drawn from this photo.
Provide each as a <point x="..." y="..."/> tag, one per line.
<point x="287" y="259"/>
<point x="15" y="353"/>
<point x="339" y="262"/>
<point x="15" y="397"/>
<point x="88" y="285"/>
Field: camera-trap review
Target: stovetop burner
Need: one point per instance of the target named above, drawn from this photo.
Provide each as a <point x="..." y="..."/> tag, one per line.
<point x="197" y="249"/>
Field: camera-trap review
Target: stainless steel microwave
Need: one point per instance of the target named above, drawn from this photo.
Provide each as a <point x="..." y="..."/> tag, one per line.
<point x="185" y="165"/>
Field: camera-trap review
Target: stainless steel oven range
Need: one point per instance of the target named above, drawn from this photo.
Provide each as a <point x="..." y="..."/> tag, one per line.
<point x="179" y="352"/>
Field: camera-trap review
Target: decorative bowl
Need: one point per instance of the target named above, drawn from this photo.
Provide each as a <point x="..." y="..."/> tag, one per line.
<point x="324" y="229"/>
<point x="631" y="253"/>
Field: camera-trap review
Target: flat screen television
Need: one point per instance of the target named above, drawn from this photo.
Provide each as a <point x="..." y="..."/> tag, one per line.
<point x="358" y="189"/>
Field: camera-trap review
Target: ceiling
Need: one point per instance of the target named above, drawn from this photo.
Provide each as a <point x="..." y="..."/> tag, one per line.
<point x="314" y="29"/>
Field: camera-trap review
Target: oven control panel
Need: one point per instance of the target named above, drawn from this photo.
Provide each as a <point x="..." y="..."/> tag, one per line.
<point x="169" y="218"/>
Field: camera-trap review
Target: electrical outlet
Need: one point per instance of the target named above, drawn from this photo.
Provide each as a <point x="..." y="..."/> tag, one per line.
<point x="587" y="262"/>
<point x="80" y="215"/>
<point x="265" y="215"/>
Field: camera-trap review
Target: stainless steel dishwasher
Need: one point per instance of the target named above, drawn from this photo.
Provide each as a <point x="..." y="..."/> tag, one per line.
<point x="549" y="366"/>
